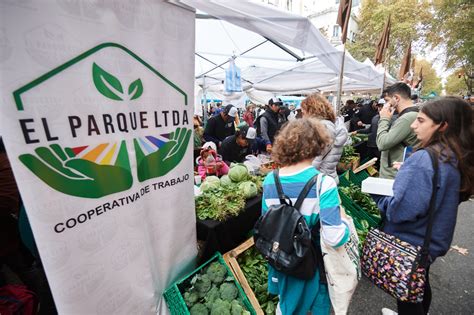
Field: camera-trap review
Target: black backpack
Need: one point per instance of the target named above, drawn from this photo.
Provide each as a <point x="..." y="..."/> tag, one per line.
<point x="284" y="238"/>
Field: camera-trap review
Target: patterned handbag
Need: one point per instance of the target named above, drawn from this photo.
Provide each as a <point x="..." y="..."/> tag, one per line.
<point x="395" y="266"/>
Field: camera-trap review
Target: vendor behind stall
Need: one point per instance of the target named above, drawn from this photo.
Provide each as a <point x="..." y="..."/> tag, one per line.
<point x="221" y="126"/>
<point x="235" y="148"/>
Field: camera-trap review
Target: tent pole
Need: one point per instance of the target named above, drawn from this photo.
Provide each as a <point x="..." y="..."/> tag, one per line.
<point x="384" y="72"/>
<point x="220" y="65"/>
<point x="204" y="94"/>
<point x="341" y="75"/>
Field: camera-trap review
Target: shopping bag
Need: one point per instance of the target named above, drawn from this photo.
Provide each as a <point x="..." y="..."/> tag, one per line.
<point x="233" y="81"/>
<point x="342" y="267"/>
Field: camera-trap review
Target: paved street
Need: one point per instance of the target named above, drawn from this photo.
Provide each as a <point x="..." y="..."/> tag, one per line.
<point x="451" y="277"/>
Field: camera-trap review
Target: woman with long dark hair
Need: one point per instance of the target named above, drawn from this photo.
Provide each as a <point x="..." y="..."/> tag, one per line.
<point x="444" y="127"/>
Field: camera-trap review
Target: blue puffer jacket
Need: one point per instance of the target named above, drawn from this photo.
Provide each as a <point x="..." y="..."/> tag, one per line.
<point x="327" y="162"/>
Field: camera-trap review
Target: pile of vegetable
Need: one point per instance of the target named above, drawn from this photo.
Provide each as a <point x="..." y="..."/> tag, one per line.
<point x="213" y="292"/>
<point x="348" y="154"/>
<point x="225" y="197"/>
<point x="367" y="204"/>
<point x="254" y="267"/>
<point x="362" y="199"/>
<point x="357" y="138"/>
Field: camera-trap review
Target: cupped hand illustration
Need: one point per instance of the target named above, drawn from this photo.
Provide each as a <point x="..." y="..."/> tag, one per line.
<point x="165" y="159"/>
<point x="63" y="171"/>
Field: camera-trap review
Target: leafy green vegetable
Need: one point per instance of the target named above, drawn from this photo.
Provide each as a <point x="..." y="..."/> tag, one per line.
<point x="190" y="298"/>
<point x="203" y="296"/>
<point x="220" y="204"/>
<point x="228" y="291"/>
<point x="221" y="307"/>
<point x="199" y="309"/>
<point x="216" y="272"/>
<point x="254" y="267"/>
<point x="223" y="202"/>
<point x="348" y="154"/>
<point x="225" y="181"/>
<point x="249" y="189"/>
<point x="236" y="308"/>
<point x="238" y="173"/>
<point x="362" y="199"/>
<point x="203" y="285"/>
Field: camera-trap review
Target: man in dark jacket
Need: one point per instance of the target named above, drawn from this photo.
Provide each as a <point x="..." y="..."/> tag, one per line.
<point x="269" y="123"/>
<point x="364" y="115"/>
<point x="235" y="148"/>
<point x="372" y="149"/>
<point x="221" y="126"/>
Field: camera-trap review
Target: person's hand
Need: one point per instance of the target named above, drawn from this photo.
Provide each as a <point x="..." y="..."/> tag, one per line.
<point x="161" y="162"/>
<point x="61" y="170"/>
<point x="353" y="133"/>
<point x="397" y="165"/>
<point x="386" y="112"/>
<point x="269" y="148"/>
<point x="219" y="165"/>
<point x="343" y="212"/>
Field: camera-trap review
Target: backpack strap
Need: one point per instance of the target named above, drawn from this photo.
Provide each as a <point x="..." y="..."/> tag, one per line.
<point x="305" y="191"/>
<point x="283" y="198"/>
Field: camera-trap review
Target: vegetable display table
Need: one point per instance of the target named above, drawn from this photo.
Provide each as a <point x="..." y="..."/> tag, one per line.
<point x="224" y="236"/>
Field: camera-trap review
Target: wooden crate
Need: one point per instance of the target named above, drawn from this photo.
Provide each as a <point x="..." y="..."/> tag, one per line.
<point x="231" y="259"/>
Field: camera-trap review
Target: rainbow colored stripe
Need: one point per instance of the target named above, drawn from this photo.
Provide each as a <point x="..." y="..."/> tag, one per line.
<point x="106" y="153"/>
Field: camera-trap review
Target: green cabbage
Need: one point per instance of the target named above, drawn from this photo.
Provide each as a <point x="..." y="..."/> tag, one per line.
<point x="210" y="183"/>
<point x="238" y="173"/>
<point x="212" y="179"/>
<point x="249" y="189"/>
<point x="225" y="181"/>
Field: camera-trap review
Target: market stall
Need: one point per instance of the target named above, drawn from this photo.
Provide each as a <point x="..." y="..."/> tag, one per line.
<point x="223" y="236"/>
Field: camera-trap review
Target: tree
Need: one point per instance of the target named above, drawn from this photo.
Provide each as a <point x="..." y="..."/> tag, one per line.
<point x="451" y="29"/>
<point x="455" y="84"/>
<point x="431" y="81"/>
<point x="409" y="20"/>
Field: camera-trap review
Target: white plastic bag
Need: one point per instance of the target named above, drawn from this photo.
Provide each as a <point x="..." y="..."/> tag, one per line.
<point x="342" y="266"/>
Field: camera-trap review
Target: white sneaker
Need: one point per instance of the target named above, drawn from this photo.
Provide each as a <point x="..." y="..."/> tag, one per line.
<point x="387" y="311"/>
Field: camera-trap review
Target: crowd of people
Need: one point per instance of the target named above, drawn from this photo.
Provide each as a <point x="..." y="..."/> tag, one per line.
<point x="306" y="146"/>
<point x="313" y="144"/>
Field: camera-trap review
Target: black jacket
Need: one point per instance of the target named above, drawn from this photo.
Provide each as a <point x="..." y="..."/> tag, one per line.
<point x="273" y="125"/>
<point x="217" y="129"/>
<point x="232" y="152"/>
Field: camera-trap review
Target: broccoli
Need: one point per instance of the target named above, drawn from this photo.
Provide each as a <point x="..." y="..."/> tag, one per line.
<point x="220" y="307"/>
<point x="190" y="298"/>
<point x="202" y="285"/>
<point x="228" y="291"/>
<point x="216" y="272"/>
<point x="199" y="309"/>
<point x="211" y="296"/>
<point x="236" y="308"/>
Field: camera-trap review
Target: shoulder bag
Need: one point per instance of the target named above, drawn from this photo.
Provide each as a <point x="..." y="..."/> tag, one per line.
<point x="398" y="267"/>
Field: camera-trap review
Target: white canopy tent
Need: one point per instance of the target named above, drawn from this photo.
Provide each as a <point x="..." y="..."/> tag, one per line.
<point x="278" y="52"/>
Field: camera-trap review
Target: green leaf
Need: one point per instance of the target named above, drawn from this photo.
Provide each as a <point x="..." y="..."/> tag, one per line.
<point x="100" y="77"/>
<point x="136" y="87"/>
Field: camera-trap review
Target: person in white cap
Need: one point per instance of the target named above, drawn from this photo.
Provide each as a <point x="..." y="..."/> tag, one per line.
<point x="235" y="148"/>
<point x="220" y="127"/>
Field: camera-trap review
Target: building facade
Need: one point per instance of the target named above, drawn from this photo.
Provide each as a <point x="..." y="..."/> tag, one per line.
<point x="323" y="15"/>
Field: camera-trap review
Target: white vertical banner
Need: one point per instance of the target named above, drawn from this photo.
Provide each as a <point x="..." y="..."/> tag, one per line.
<point x="96" y="112"/>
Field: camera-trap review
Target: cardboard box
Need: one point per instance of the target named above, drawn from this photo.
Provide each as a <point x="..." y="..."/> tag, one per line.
<point x="378" y="186"/>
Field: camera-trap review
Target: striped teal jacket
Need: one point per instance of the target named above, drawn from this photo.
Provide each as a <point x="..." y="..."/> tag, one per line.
<point x="300" y="296"/>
